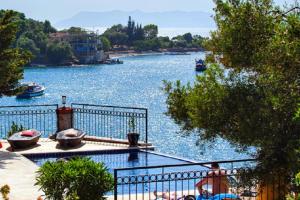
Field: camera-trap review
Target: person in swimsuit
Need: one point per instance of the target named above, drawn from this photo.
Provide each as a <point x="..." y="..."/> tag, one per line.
<point x="216" y="178"/>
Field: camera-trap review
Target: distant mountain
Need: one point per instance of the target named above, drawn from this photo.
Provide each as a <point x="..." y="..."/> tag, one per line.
<point x="162" y="19"/>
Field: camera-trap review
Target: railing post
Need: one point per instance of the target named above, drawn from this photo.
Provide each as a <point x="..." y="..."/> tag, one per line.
<point x="115" y="184"/>
<point x="147" y="126"/>
<point x="64" y="118"/>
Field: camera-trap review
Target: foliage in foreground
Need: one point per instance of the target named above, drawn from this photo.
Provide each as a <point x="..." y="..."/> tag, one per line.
<point x="250" y="93"/>
<point x="12" y="59"/>
<point x="78" y="178"/>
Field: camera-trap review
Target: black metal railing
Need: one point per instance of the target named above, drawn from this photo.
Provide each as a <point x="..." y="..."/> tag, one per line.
<point x="110" y="121"/>
<point x="40" y="117"/>
<point x="180" y="182"/>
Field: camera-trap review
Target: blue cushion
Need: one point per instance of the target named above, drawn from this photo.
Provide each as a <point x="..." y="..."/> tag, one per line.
<point x="218" y="197"/>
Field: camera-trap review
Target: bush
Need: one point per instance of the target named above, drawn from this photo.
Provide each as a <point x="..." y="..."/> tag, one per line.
<point x="14" y="129"/>
<point x="146" y="45"/>
<point x="106" y="43"/>
<point x="79" y="178"/>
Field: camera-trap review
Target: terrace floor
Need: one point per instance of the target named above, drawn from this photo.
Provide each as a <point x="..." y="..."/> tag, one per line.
<point x="19" y="172"/>
<point x="48" y="146"/>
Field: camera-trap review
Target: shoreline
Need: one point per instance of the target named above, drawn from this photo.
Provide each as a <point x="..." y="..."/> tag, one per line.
<point x="123" y="54"/>
<point x="127" y="53"/>
<point x="117" y="55"/>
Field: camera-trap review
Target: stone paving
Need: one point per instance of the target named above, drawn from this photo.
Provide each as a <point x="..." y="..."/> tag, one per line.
<point x="49" y="146"/>
<point x="19" y="172"/>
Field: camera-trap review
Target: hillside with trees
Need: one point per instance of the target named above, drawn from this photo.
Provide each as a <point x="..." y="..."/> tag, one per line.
<point x="33" y="36"/>
<point x="144" y="38"/>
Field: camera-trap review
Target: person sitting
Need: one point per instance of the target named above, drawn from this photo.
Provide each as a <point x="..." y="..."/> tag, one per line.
<point x="164" y="195"/>
<point x="216" y="178"/>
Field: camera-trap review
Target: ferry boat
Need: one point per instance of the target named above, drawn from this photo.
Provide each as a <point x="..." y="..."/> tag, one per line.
<point x="31" y="90"/>
<point x="200" y="65"/>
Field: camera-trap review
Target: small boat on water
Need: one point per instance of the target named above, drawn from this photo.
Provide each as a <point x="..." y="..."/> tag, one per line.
<point x="31" y="90"/>
<point x="177" y="53"/>
<point x="200" y="65"/>
<point x="113" y="61"/>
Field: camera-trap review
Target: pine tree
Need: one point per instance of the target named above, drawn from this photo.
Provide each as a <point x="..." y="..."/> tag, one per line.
<point x="254" y="101"/>
<point x="11" y="59"/>
<point x="130" y="30"/>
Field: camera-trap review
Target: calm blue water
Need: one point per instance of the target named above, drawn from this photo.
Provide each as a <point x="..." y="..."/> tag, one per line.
<point x="136" y="83"/>
<point x="115" y="160"/>
<point x="136" y="159"/>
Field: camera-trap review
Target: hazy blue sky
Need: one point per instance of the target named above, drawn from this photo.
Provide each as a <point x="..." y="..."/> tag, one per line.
<point x="56" y="10"/>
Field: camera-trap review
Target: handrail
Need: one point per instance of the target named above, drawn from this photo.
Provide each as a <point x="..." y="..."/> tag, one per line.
<point x="183" y="165"/>
<point x="106" y="106"/>
<point x="28" y="106"/>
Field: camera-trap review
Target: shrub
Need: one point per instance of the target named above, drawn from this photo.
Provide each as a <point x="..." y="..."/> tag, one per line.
<point x="14" y="129"/>
<point x="79" y="178"/>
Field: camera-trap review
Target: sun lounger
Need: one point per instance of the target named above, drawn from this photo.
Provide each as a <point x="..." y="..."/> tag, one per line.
<point x="24" y="139"/>
<point x="70" y="137"/>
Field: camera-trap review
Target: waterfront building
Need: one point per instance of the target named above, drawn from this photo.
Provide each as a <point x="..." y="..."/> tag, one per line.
<point x="86" y="45"/>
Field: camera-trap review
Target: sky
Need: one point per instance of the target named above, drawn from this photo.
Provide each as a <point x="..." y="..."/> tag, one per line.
<point x="57" y="10"/>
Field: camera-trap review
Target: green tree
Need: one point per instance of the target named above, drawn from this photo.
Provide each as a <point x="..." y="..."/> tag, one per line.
<point x="117" y="38"/>
<point x="164" y="42"/>
<point x="188" y="37"/>
<point x="150" y="31"/>
<point x="130" y="30"/>
<point x="117" y="35"/>
<point x="12" y="59"/>
<point x="254" y="104"/>
<point x="77" y="30"/>
<point x="59" y="52"/>
<point x="198" y="41"/>
<point x="105" y="43"/>
<point x="138" y="32"/>
<point x="48" y="28"/>
<point x="28" y="44"/>
<point x="145" y="45"/>
<point x="32" y="35"/>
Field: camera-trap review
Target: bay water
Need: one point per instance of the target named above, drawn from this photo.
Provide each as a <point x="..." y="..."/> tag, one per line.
<point x="136" y="83"/>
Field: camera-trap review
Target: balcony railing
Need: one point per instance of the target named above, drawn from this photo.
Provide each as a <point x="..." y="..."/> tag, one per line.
<point x="96" y="120"/>
<point x="40" y="117"/>
<point x="180" y="182"/>
<point x="110" y="121"/>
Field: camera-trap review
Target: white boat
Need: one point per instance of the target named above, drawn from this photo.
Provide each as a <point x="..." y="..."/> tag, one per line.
<point x="31" y="90"/>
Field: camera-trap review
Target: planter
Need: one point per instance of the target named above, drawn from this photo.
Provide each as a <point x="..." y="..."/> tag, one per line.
<point x="133" y="139"/>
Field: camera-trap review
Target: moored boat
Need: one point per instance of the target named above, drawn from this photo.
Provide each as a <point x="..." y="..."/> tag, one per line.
<point x="200" y="65"/>
<point x="177" y="53"/>
<point x="113" y="61"/>
<point x="31" y="90"/>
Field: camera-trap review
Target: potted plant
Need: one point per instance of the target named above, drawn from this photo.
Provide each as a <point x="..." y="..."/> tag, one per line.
<point x="132" y="135"/>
